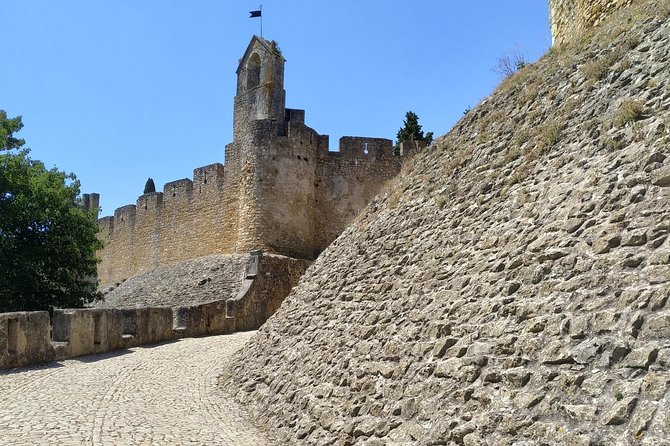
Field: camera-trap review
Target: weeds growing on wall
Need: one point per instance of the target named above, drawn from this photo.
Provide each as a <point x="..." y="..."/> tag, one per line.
<point x="509" y="64"/>
<point x="629" y="111"/>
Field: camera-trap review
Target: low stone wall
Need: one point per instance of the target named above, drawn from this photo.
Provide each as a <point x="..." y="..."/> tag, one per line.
<point x="31" y="338"/>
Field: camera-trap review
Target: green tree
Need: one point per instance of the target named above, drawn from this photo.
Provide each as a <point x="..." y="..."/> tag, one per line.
<point x="411" y="130"/>
<point x="7" y="129"/>
<point x="149" y="186"/>
<point x="47" y="241"/>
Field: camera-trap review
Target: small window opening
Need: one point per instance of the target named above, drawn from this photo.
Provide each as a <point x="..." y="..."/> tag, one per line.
<point x="12" y="335"/>
<point x="366" y="149"/>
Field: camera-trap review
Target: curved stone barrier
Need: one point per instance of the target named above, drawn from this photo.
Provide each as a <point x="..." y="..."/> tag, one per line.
<point x="31" y="338"/>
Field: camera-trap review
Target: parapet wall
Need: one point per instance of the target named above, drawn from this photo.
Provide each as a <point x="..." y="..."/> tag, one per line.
<point x="571" y="18"/>
<point x="29" y="337"/>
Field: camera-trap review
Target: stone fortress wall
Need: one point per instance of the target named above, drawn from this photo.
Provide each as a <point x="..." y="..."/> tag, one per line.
<point x="281" y="189"/>
<point x="571" y="18"/>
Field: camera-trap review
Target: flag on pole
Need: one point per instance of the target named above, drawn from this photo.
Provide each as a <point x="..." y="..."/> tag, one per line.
<point x="255" y="14"/>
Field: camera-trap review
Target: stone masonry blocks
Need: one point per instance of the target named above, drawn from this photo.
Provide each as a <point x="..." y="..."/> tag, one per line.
<point x="571" y="18"/>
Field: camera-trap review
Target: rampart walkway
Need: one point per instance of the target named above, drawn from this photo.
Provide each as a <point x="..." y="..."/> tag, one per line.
<point x="154" y="395"/>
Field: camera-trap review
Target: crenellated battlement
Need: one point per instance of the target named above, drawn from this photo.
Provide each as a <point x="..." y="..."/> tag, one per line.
<point x="175" y="193"/>
<point x="280" y="190"/>
<point x="151" y="202"/>
<point x="125" y="214"/>
<point x="360" y="147"/>
<point x="208" y="177"/>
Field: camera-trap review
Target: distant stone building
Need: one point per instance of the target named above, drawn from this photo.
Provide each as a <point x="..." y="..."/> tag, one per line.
<point x="280" y="190"/>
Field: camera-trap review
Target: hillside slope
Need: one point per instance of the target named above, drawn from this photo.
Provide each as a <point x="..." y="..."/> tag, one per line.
<point x="511" y="287"/>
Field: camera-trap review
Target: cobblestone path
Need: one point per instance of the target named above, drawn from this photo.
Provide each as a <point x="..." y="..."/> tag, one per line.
<point x="156" y="395"/>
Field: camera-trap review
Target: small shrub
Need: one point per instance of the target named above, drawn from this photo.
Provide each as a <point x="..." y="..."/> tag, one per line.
<point x="550" y="135"/>
<point x="528" y="94"/>
<point x="629" y="111"/>
<point x="149" y="186"/>
<point x="522" y="136"/>
<point x="520" y="174"/>
<point x="625" y="64"/>
<point x="598" y="69"/>
<point x="512" y="155"/>
<point x="618" y="395"/>
<point x="509" y="64"/>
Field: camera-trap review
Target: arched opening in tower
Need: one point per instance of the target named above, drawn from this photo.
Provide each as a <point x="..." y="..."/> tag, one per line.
<point x="253" y="71"/>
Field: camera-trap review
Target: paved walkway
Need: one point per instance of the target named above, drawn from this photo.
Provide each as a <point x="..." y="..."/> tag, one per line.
<point x="156" y="395"/>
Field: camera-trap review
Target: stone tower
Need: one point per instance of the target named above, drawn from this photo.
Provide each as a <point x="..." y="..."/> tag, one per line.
<point x="271" y="163"/>
<point x="260" y="87"/>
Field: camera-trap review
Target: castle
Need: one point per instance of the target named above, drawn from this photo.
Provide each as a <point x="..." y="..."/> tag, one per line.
<point x="281" y="189"/>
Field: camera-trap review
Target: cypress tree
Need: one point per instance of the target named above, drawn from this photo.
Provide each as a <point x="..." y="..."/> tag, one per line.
<point x="149" y="186"/>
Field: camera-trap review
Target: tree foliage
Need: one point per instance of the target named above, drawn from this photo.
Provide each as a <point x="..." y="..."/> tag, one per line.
<point x="47" y="241"/>
<point x="7" y="129"/>
<point x="149" y="186"/>
<point x="411" y="130"/>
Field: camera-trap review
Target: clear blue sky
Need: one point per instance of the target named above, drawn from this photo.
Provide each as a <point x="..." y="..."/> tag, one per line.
<point x="117" y="91"/>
